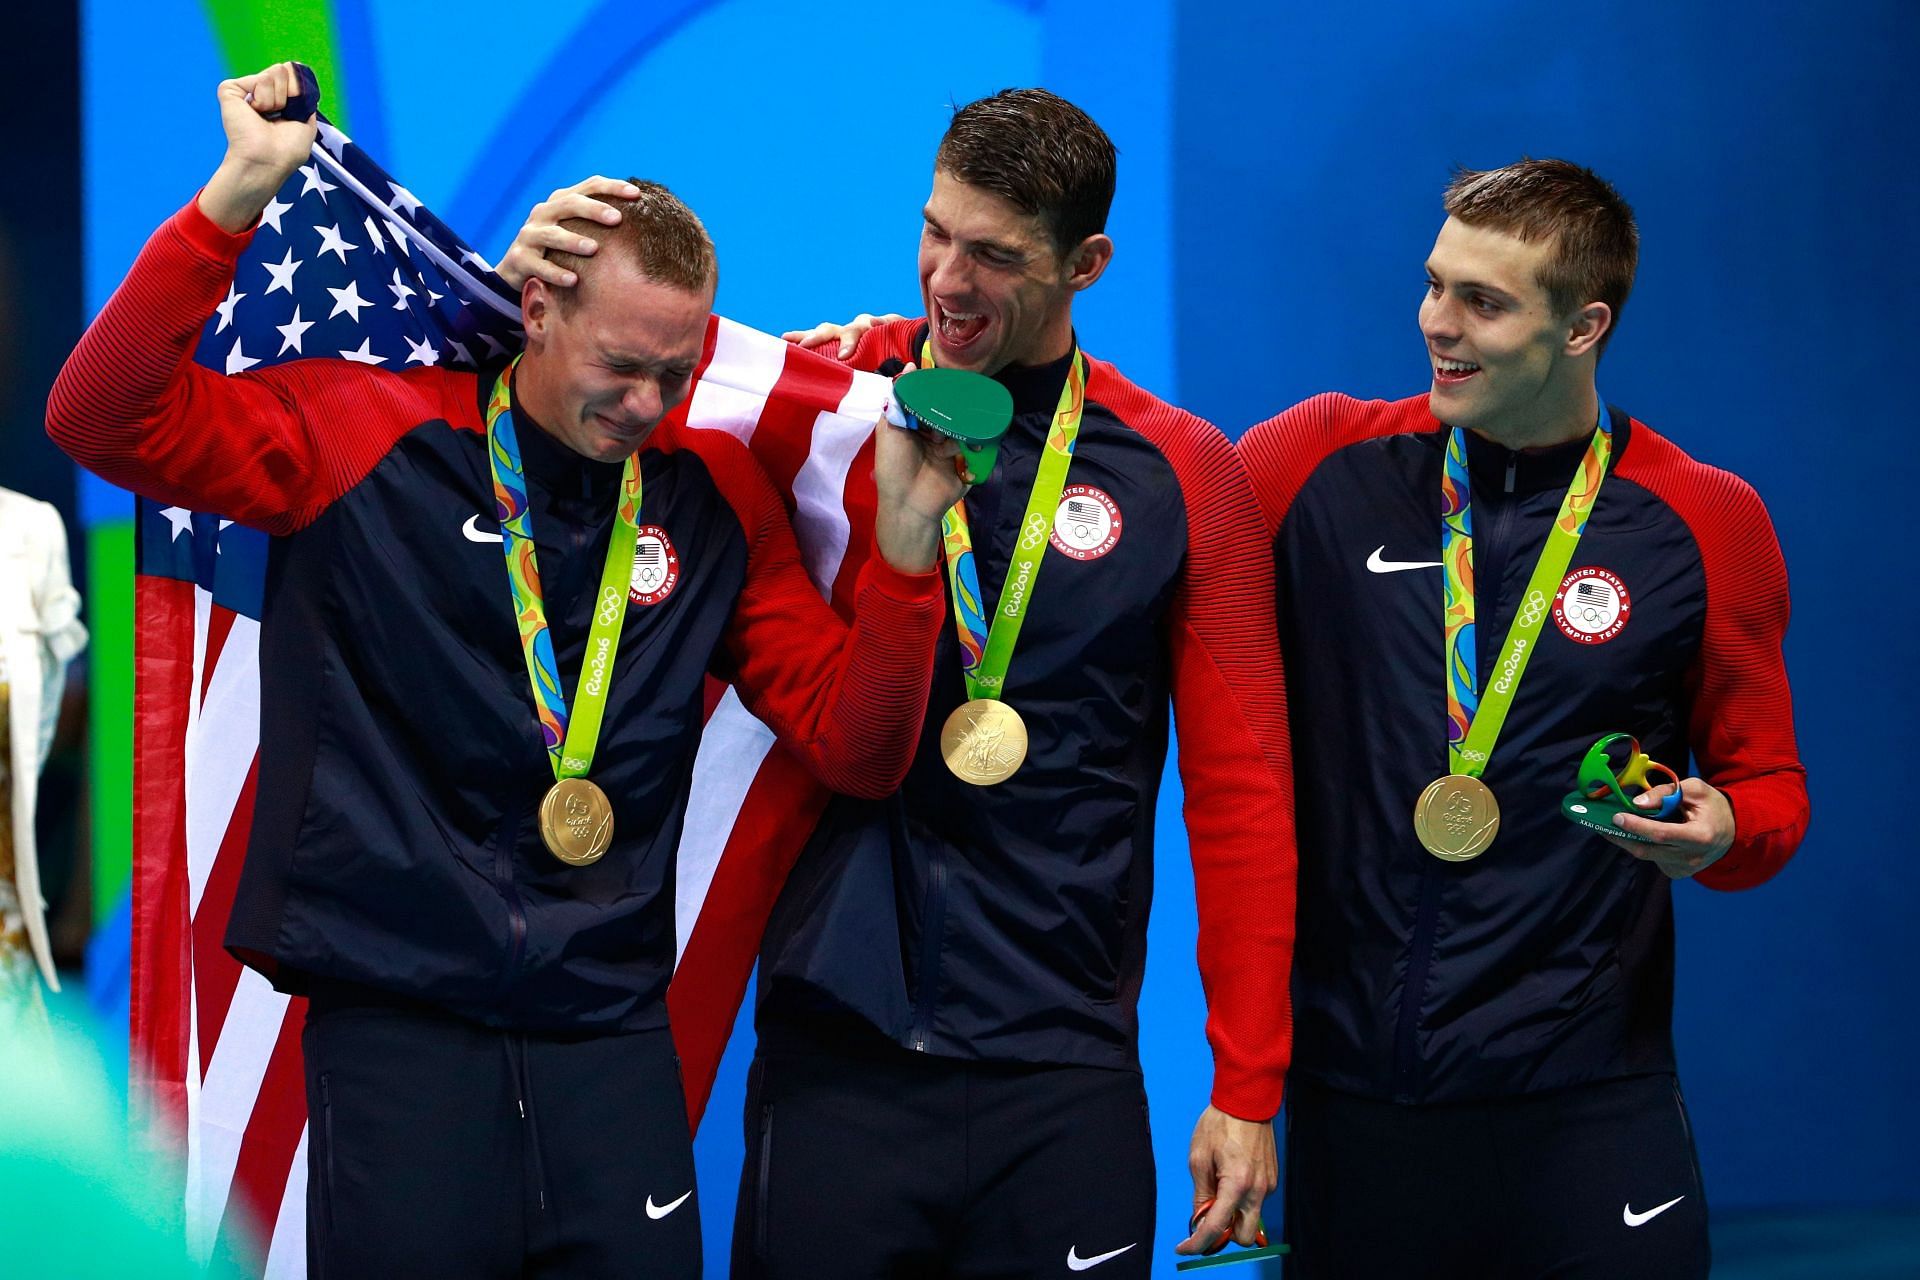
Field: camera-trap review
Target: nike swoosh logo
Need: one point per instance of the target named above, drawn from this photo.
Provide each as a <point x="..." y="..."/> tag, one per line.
<point x="1632" y="1219"/>
<point x="1375" y="563"/>
<point x="1077" y="1263"/>
<point x="658" y="1211"/>
<point x="475" y="534"/>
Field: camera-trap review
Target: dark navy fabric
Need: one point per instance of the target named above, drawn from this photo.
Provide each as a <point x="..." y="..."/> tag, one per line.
<point x="1548" y="960"/>
<point x="396" y="841"/>
<point x="1009" y="923"/>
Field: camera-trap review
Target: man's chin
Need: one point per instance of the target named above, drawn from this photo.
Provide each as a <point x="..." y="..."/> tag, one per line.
<point x="1452" y="408"/>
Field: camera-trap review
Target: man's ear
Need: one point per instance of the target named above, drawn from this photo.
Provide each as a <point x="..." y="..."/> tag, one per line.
<point x="1591" y="323"/>
<point x="537" y="305"/>
<point x="1088" y="261"/>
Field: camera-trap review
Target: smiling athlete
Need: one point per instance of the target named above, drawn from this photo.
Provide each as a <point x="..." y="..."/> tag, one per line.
<point x="1474" y="586"/>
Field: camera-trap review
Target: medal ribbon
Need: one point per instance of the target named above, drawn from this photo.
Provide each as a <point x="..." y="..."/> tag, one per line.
<point x="570" y="739"/>
<point x="987" y="649"/>
<point x="1473" y="724"/>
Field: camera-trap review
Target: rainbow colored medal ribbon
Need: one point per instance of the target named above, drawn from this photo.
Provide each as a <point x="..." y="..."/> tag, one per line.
<point x="984" y="741"/>
<point x="576" y="818"/>
<point x="1456" y="816"/>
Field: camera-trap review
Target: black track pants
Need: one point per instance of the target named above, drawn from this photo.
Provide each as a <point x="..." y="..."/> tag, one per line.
<point x="437" y="1147"/>
<point x="1597" y="1182"/>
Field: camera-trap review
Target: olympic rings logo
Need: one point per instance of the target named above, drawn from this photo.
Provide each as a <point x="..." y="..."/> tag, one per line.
<point x="1035" y="533"/>
<point x="1533" y="610"/>
<point x="610" y="603"/>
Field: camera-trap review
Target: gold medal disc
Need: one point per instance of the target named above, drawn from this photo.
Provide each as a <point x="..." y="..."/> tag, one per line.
<point x="1456" y="817"/>
<point x="984" y="741"/>
<point x="576" y="821"/>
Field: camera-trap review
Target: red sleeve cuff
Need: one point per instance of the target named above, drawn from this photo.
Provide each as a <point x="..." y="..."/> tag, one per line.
<point x="908" y="588"/>
<point x="206" y="237"/>
<point x="1256" y="1102"/>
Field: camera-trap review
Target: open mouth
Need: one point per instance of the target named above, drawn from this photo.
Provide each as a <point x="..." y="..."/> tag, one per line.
<point x="958" y="329"/>
<point x="1451" y="373"/>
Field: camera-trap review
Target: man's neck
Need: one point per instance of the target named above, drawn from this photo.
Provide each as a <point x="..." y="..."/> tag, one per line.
<point x="533" y="399"/>
<point x="1056" y="340"/>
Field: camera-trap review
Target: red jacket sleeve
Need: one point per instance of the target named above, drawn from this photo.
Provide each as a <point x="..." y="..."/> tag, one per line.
<point x="885" y="342"/>
<point x="271" y="447"/>
<point x="1741" y="726"/>
<point x="848" y="698"/>
<point x="1230" y="712"/>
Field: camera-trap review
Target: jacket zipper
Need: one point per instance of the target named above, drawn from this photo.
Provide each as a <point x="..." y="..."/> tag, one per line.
<point x="1420" y="963"/>
<point x="932" y="925"/>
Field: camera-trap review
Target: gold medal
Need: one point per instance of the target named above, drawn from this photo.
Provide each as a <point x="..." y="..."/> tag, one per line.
<point x="1456" y="817"/>
<point x="576" y="821"/>
<point x="984" y="741"/>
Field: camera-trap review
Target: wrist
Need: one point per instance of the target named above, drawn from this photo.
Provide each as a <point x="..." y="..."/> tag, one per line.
<point x="908" y="543"/>
<point x="238" y="192"/>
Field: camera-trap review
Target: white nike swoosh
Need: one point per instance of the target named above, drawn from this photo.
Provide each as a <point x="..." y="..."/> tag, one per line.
<point x="658" y="1211"/>
<point x="1632" y="1219"/>
<point x="475" y="534"/>
<point x="1077" y="1263"/>
<point x="1375" y="563"/>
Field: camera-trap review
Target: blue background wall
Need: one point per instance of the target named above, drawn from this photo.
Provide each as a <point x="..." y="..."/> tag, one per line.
<point x="1280" y="174"/>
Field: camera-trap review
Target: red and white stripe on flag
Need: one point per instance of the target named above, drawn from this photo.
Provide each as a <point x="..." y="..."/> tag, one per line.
<point x="217" y="1049"/>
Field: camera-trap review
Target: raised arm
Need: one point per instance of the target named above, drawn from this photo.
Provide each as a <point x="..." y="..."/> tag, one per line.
<point x="271" y="447"/>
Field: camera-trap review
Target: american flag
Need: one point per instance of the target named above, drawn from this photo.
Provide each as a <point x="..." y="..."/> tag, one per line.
<point x="347" y="264"/>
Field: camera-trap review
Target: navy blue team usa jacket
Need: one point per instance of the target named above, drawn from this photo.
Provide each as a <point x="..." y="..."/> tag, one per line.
<point x="1008" y="923"/>
<point x="1548" y="960"/>
<point x="394" y="844"/>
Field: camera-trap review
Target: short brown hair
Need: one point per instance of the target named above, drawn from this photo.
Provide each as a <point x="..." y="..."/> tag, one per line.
<point x="1596" y="246"/>
<point x="1039" y="152"/>
<point x="658" y="231"/>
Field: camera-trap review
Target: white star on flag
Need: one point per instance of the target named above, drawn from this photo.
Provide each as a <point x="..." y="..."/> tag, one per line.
<point x="374" y="237"/>
<point x="348" y="300"/>
<point x="401" y="291"/>
<point x="282" y="272"/>
<point x="363" y="354"/>
<point x="403" y="199"/>
<point x="291" y="333"/>
<point x="239" y="361"/>
<point x="476" y="260"/>
<point x="493" y="345"/>
<point x="398" y="230"/>
<point x="181" y="519"/>
<point x="314" y="181"/>
<point x="331" y="241"/>
<point x="270" y="216"/>
<point x="226" y="310"/>
<point x="423" y="352"/>
<point x="334" y="140"/>
<point x="460" y="352"/>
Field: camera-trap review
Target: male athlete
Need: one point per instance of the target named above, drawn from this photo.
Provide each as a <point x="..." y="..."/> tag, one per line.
<point x="480" y="704"/>
<point x="1476" y="585"/>
<point x="948" y="1076"/>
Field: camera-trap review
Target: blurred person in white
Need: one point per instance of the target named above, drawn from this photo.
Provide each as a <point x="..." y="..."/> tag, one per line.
<point x="40" y="632"/>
